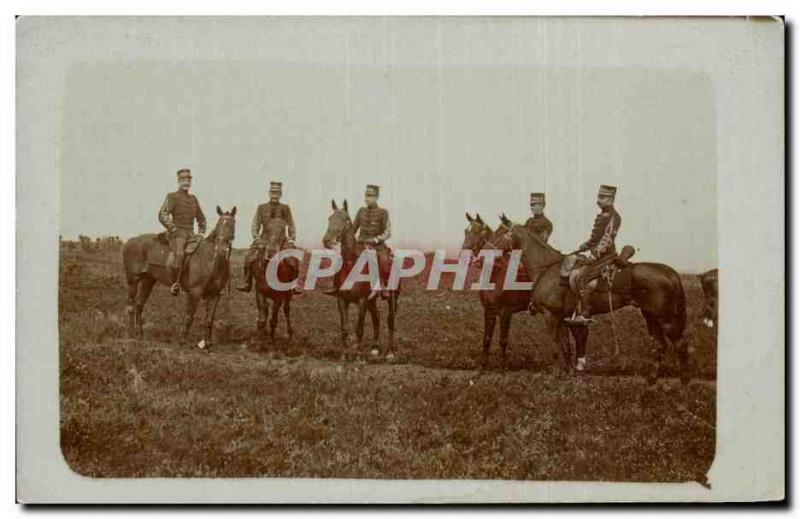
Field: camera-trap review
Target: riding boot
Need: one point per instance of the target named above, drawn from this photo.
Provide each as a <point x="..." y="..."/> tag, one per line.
<point x="176" y="288"/>
<point x="247" y="285"/>
<point x="564" y="281"/>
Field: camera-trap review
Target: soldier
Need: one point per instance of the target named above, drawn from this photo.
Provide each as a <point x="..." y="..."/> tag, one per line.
<point x="542" y="227"/>
<point x="178" y="214"/>
<point x="265" y="212"/>
<point x="601" y="247"/>
<point x="539" y="223"/>
<point x="374" y="227"/>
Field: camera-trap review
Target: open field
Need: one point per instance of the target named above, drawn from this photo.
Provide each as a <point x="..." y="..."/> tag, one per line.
<point x="154" y="409"/>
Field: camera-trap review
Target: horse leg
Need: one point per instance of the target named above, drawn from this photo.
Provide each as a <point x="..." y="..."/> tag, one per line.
<point x="683" y="357"/>
<point x="560" y="336"/>
<point x="390" y="319"/>
<point x="211" y="304"/>
<point x="659" y="346"/>
<point x="261" y="320"/>
<point x="273" y="320"/>
<point x="505" y="325"/>
<point x="191" y="309"/>
<point x="489" y="319"/>
<point x="143" y="293"/>
<point x="372" y="308"/>
<point x="343" y="307"/>
<point x="581" y="336"/>
<point x="362" y="313"/>
<point x="133" y="287"/>
<point x="288" y="314"/>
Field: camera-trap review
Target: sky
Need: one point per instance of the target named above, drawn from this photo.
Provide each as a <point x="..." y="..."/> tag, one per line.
<point x="416" y="107"/>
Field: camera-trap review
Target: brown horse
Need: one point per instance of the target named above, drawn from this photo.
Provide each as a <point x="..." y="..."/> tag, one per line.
<point x="710" y="283"/>
<point x="496" y="302"/>
<point x="205" y="274"/>
<point x="272" y="242"/>
<point x="340" y="230"/>
<point x="654" y="288"/>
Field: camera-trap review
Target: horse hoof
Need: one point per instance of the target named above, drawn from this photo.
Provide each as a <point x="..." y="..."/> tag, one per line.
<point x="390" y="357"/>
<point x="374" y="352"/>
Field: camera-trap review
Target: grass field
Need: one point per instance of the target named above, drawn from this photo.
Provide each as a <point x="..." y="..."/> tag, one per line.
<point x="132" y="409"/>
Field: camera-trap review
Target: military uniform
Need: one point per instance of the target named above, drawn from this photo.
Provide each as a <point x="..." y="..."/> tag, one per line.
<point x="264" y="213"/>
<point x="601" y="248"/>
<point x="539" y="223"/>
<point x="374" y="227"/>
<point x="178" y="214"/>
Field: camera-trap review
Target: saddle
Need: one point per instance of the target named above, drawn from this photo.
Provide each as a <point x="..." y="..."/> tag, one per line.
<point x="606" y="269"/>
<point x="163" y="256"/>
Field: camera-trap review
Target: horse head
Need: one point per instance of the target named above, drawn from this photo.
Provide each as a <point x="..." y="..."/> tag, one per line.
<point x="274" y="236"/>
<point x="225" y="230"/>
<point x="339" y="223"/>
<point x="476" y="234"/>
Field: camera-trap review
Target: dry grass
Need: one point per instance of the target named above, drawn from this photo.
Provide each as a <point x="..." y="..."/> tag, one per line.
<point x="153" y="409"/>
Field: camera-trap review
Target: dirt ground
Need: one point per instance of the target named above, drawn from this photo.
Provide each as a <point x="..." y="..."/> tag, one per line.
<point x="153" y="408"/>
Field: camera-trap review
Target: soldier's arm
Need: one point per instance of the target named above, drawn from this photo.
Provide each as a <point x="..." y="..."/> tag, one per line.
<point x="357" y="222"/>
<point x="255" y="228"/>
<point x="387" y="230"/>
<point x="290" y="228"/>
<point x="165" y="213"/>
<point x="200" y="217"/>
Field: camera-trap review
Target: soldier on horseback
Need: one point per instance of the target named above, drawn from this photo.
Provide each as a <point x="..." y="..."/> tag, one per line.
<point x="178" y="214"/>
<point x="539" y="223"/>
<point x="265" y="212"/>
<point x="374" y="227"/>
<point x="542" y="227"/>
<point x="602" y="250"/>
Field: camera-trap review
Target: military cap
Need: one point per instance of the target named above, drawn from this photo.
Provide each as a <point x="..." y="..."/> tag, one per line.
<point x="373" y="190"/>
<point x="537" y="198"/>
<point x="275" y="187"/>
<point x="607" y="191"/>
<point x="184" y="173"/>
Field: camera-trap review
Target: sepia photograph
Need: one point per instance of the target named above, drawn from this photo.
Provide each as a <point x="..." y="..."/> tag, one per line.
<point x="457" y="249"/>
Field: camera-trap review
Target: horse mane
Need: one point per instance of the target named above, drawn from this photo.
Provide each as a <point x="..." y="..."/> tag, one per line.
<point x="539" y="240"/>
<point x="212" y="235"/>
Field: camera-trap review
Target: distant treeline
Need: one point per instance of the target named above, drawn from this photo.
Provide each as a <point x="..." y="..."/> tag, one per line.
<point x="86" y="243"/>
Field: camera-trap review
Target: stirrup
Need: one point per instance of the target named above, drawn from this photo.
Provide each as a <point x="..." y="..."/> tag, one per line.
<point x="579" y="320"/>
<point x="331" y="291"/>
<point x="175" y="289"/>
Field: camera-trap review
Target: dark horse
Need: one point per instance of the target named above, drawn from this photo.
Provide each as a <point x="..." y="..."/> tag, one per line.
<point x="205" y="274"/>
<point x="496" y="302"/>
<point x="272" y="242"/>
<point x="655" y="289"/>
<point x="709" y="281"/>
<point x="340" y="230"/>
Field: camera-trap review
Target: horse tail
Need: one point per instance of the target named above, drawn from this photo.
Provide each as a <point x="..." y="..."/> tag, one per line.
<point x="678" y="325"/>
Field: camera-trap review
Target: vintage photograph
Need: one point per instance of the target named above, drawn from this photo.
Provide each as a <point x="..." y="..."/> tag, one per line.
<point x="392" y="248"/>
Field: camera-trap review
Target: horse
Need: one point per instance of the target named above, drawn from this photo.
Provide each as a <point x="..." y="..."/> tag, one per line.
<point x="710" y="283"/>
<point x="654" y="288"/>
<point x="340" y="231"/>
<point x="205" y="274"/>
<point x="272" y="242"/>
<point x="496" y="302"/>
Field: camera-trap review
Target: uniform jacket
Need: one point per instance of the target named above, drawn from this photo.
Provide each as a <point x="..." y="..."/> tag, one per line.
<point x="266" y="212"/>
<point x="372" y="223"/>
<point x="180" y="210"/>
<point x="604" y="232"/>
<point x="540" y="225"/>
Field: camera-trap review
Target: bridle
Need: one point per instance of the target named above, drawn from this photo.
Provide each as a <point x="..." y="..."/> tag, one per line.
<point x="220" y="242"/>
<point x="337" y="238"/>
